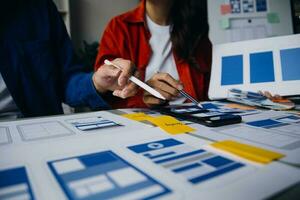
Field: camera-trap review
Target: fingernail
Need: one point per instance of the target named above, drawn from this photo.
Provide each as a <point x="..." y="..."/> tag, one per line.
<point x="122" y="81"/>
<point x="115" y="93"/>
<point x="125" y="92"/>
<point x="180" y="87"/>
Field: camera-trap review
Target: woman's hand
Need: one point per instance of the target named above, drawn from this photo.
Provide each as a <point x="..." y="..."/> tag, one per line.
<point x="270" y="96"/>
<point x="164" y="84"/>
<point x="110" y="78"/>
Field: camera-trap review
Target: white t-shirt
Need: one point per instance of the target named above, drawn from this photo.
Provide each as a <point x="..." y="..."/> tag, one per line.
<point x="8" y="108"/>
<point x="162" y="59"/>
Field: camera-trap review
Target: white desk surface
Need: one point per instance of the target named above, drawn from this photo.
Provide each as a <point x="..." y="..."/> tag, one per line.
<point x="20" y="145"/>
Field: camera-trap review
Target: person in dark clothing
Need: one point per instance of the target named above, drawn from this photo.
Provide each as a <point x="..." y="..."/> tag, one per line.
<point x="39" y="69"/>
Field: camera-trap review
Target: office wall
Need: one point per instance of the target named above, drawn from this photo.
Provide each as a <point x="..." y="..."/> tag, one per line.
<point x="282" y="7"/>
<point x="89" y="17"/>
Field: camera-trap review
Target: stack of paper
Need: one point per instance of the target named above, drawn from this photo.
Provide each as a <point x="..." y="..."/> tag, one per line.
<point x="256" y="99"/>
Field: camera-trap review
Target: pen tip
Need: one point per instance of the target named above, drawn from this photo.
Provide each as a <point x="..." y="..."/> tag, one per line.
<point x="199" y="105"/>
<point x="162" y="97"/>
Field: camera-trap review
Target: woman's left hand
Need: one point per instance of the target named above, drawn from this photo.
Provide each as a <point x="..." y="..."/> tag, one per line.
<point x="270" y="96"/>
<point x="165" y="84"/>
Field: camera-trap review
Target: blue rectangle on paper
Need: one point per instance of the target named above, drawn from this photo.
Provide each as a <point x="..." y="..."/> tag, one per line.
<point x="276" y="125"/>
<point x="261" y="5"/>
<point x="216" y="173"/>
<point x="209" y="106"/>
<point x="232" y="70"/>
<point x="264" y="123"/>
<point x="104" y="169"/>
<point x="292" y="117"/>
<point x="141" y="148"/>
<point x="12" y="177"/>
<point x="217" y="161"/>
<point x="180" y="156"/>
<point x="187" y="167"/>
<point x="96" y="159"/>
<point x="262" y="67"/>
<point x="290" y="64"/>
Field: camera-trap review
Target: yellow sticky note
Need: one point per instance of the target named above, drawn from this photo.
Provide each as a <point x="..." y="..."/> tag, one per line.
<point x="170" y="125"/>
<point x="137" y="116"/>
<point x="248" y="152"/>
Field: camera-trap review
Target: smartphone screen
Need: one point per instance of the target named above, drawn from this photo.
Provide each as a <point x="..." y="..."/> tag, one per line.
<point x="201" y="116"/>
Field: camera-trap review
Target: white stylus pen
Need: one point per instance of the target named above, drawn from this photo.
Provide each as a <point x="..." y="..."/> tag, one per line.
<point x="139" y="82"/>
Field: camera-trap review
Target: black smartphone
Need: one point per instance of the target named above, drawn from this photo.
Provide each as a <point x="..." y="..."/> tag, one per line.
<point x="201" y="116"/>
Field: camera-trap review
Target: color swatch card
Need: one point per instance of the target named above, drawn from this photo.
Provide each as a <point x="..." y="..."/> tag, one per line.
<point x="280" y="132"/>
<point x="104" y="175"/>
<point x="14" y="184"/>
<point x="256" y="99"/>
<point x="225" y="108"/>
<point x="289" y="124"/>
<point x="92" y="123"/>
<point x="195" y="165"/>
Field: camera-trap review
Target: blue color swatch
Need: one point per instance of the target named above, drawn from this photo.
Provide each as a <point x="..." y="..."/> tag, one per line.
<point x="209" y="106"/>
<point x="267" y="123"/>
<point x="232" y="70"/>
<point x="290" y="119"/>
<point x="218" y="161"/>
<point x="196" y="165"/>
<point x="262" y="67"/>
<point x="290" y="64"/>
<point x="14" y="184"/>
<point x="261" y="5"/>
<point x="104" y="175"/>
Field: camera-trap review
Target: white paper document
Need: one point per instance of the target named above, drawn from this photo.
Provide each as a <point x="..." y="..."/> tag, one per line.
<point x="137" y="161"/>
<point x="43" y="130"/>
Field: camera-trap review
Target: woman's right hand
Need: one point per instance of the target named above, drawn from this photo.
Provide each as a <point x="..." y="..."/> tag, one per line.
<point x="166" y="85"/>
